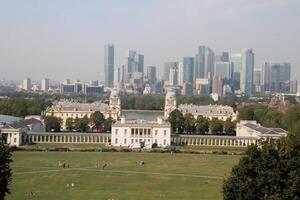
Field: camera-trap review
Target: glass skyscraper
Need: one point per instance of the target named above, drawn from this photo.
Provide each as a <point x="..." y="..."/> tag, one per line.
<point x="109" y="65"/>
<point x="188" y="70"/>
<point x="247" y="71"/>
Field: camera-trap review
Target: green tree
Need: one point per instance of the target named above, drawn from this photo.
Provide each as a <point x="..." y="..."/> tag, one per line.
<point x="70" y="124"/>
<point x="202" y="125"/>
<point x="52" y="123"/>
<point x="5" y="170"/>
<point x="229" y="126"/>
<point x="177" y="121"/>
<point x="216" y="126"/>
<point x="82" y="124"/>
<point x="189" y="123"/>
<point x="97" y="120"/>
<point x="272" y="118"/>
<point x="108" y="123"/>
<point x="291" y="117"/>
<point x="270" y="170"/>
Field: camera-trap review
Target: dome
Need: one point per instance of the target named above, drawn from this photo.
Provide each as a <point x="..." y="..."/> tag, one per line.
<point x="170" y="94"/>
<point x="114" y="93"/>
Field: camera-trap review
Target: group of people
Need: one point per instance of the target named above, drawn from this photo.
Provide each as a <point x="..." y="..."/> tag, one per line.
<point x="103" y="166"/>
<point x="63" y="164"/>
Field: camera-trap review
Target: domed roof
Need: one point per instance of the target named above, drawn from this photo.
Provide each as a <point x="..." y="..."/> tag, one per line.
<point x="170" y="94"/>
<point x="114" y="93"/>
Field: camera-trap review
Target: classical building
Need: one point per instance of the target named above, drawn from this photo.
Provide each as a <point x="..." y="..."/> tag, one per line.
<point x="68" y="109"/>
<point x="210" y="111"/>
<point x="247" y="128"/>
<point x="134" y="133"/>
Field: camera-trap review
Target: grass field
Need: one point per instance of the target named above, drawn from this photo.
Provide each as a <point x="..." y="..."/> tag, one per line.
<point x="164" y="176"/>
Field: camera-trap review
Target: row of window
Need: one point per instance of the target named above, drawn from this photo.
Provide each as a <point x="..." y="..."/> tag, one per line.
<point x="139" y="140"/>
<point x="73" y="115"/>
<point x="139" y="131"/>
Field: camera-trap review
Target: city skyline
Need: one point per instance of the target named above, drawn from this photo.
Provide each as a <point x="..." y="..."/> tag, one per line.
<point x="42" y="39"/>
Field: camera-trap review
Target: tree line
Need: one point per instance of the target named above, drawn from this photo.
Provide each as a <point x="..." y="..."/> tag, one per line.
<point x="96" y="123"/>
<point x="187" y="124"/>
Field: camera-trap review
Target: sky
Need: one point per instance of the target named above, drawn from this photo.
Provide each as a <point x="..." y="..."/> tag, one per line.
<point x="61" y="39"/>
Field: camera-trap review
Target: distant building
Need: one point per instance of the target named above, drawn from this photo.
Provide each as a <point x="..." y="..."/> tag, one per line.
<point x="258" y="88"/>
<point x="187" y="89"/>
<point x="26" y="85"/>
<point x="134" y="65"/>
<point x="167" y="67"/>
<point x="223" y="69"/>
<point x="109" y="65"/>
<point x="151" y="74"/>
<point x="204" y="63"/>
<point x="217" y="85"/>
<point x="68" y="109"/>
<point x="247" y="71"/>
<point x="188" y="70"/>
<point x="253" y="129"/>
<point x="77" y="87"/>
<point x="45" y="85"/>
<point x="236" y="64"/>
<point x="202" y="86"/>
<point x="141" y="133"/>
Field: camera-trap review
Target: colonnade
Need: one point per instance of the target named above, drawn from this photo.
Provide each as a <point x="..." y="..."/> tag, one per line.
<point x="203" y="140"/>
<point x="66" y="138"/>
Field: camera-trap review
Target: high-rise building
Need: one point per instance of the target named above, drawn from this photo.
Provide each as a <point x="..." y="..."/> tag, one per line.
<point x="204" y="63"/>
<point x="26" y="85"/>
<point x="134" y="68"/>
<point x="151" y="74"/>
<point x="109" y="65"/>
<point x="257" y="74"/>
<point x="265" y="77"/>
<point x="217" y="85"/>
<point x="45" y="85"/>
<point x="167" y="67"/>
<point x="247" y="71"/>
<point x="188" y="70"/>
<point x="187" y="89"/>
<point x="173" y="77"/>
<point x="180" y="74"/>
<point x="236" y="64"/>
<point x="223" y="69"/>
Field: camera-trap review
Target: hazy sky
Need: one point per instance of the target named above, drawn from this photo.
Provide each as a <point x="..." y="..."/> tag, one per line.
<point x="62" y="39"/>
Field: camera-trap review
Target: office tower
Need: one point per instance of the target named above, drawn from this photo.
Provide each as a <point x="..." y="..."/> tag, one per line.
<point x="293" y="86"/>
<point x="225" y="57"/>
<point x="280" y="76"/>
<point x="26" y="85"/>
<point x="94" y="83"/>
<point x="134" y="68"/>
<point x="217" y="85"/>
<point x="187" y="89"/>
<point x="223" y="69"/>
<point x="45" y="85"/>
<point x="180" y="74"/>
<point x="188" y="70"/>
<point x="247" y="71"/>
<point x="109" y="65"/>
<point x="173" y="77"/>
<point x="202" y="86"/>
<point x="151" y="75"/>
<point x="236" y="64"/>
<point x="265" y="79"/>
<point x="167" y="67"/>
<point x="204" y="63"/>
<point x="257" y="74"/>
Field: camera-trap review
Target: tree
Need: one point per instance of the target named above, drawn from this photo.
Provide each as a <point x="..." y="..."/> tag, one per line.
<point x="97" y="120"/>
<point x="108" y="123"/>
<point x="202" y="125"/>
<point x="177" y="121"/>
<point x="52" y="123"/>
<point x="272" y="118"/>
<point x="229" y="126"/>
<point x="291" y="116"/>
<point x="70" y="124"/>
<point x="268" y="171"/>
<point x="189" y="123"/>
<point x="82" y="124"/>
<point x="216" y="126"/>
<point x="5" y="170"/>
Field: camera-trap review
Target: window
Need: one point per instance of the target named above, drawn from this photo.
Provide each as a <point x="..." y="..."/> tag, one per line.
<point x="116" y="131"/>
<point x="125" y="141"/>
<point x="165" y="132"/>
<point x="132" y="131"/>
<point x="141" y="131"/>
<point x="132" y="141"/>
<point x="136" y="140"/>
<point x="15" y="140"/>
<point x="149" y="131"/>
<point x="67" y="114"/>
<point x="155" y="141"/>
<point x="125" y="132"/>
<point x="155" y="132"/>
<point x="165" y="141"/>
<point x="148" y="140"/>
<point x="116" y="141"/>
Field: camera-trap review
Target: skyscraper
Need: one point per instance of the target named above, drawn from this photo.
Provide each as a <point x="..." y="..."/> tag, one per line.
<point x="236" y="64"/>
<point x="217" y="85"/>
<point x="180" y="74"/>
<point x="45" y="85"/>
<point x="26" y="85"/>
<point x="167" y="67"/>
<point x="247" y="71"/>
<point x="134" y="68"/>
<point x="204" y="63"/>
<point x="151" y="74"/>
<point x="188" y="70"/>
<point x="223" y="69"/>
<point x="109" y="65"/>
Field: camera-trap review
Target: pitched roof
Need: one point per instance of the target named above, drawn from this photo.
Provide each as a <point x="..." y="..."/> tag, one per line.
<point x="21" y="124"/>
<point x="264" y="130"/>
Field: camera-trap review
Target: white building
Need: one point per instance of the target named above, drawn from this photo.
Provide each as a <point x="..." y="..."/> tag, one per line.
<point x="136" y="133"/>
<point x="68" y="109"/>
<point x="26" y="85"/>
<point x="45" y="85"/>
<point x="247" y="128"/>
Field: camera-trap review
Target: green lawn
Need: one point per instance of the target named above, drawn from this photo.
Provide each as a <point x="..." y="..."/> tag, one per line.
<point x="213" y="148"/>
<point x="164" y="176"/>
<point x="64" y="145"/>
